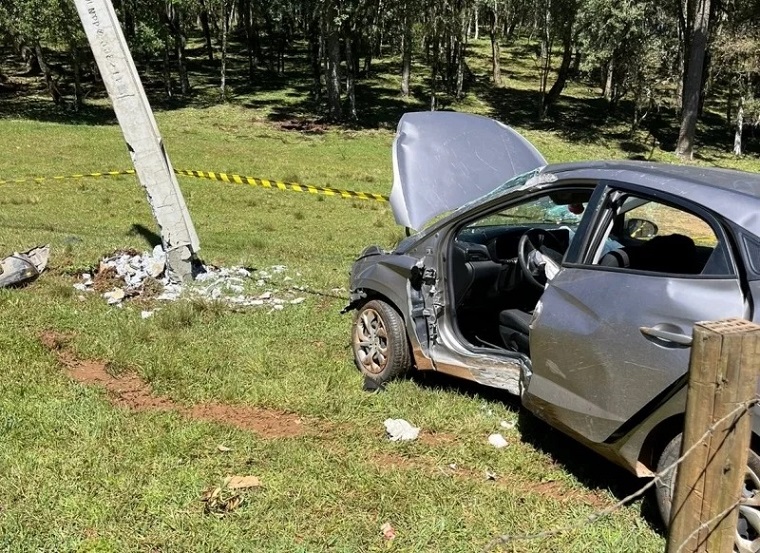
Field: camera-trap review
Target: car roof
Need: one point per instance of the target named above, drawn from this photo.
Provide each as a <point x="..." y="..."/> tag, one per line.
<point x="734" y="195"/>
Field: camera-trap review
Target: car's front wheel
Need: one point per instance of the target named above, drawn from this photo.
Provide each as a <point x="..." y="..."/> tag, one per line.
<point x="748" y="527"/>
<point x="381" y="350"/>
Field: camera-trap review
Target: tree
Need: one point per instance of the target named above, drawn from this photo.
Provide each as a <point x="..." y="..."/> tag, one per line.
<point x="556" y="21"/>
<point x="737" y="56"/>
<point x="693" y="80"/>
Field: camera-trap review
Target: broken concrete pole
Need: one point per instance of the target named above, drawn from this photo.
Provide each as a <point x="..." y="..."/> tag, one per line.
<point x="152" y="165"/>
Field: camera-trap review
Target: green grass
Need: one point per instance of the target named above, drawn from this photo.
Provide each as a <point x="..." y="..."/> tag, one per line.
<point x="79" y="474"/>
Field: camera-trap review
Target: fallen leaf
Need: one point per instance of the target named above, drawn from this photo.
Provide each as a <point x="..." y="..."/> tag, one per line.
<point x="242" y="482"/>
<point x="217" y="503"/>
<point x="388" y="531"/>
<point x="223" y="448"/>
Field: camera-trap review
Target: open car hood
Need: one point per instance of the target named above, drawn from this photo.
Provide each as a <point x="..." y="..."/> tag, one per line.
<point x="443" y="160"/>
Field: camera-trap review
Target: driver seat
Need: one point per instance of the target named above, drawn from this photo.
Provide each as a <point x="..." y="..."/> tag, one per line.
<point x="515" y="330"/>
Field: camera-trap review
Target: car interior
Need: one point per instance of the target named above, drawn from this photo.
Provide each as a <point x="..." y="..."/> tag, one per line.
<point x="499" y="262"/>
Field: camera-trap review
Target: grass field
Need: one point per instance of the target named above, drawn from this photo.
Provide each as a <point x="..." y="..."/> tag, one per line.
<point x="119" y="461"/>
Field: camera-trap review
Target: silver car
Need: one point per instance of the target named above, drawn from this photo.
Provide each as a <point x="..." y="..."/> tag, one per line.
<point x="574" y="286"/>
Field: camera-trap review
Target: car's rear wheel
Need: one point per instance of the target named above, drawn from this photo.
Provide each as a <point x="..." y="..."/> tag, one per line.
<point x="381" y="350"/>
<point x="748" y="527"/>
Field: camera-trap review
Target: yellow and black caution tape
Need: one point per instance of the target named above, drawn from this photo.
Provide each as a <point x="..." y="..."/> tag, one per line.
<point x="65" y="177"/>
<point x="265" y="183"/>
<point x="228" y="178"/>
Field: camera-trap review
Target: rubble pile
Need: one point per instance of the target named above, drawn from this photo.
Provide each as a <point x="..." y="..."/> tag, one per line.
<point x="127" y="274"/>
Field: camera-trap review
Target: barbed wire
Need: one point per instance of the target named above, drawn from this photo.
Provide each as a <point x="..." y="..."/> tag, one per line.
<point x="705" y="525"/>
<point x="505" y="539"/>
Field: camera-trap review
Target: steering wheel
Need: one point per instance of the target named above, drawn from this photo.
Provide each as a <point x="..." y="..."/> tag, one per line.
<point x="534" y="244"/>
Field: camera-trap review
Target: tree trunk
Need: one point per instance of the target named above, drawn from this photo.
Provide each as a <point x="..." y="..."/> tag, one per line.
<point x="315" y="57"/>
<point x="609" y="81"/>
<point x="225" y="33"/>
<point x="333" y="65"/>
<point x="52" y="87"/>
<point x="179" y="46"/>
<point x="245" y="11"/>
<point x="206" y="30"/>
<point x="693" y="81"/>
<point x="546" y="61"/>
<point x="562" y="73"/>
<point x="459" y="51"/>
<point x="477" y="21"/>
<point x="350" y="77"/>
<point x="495" y="47"/>
<point x="76" y="63"/>
<point x="166" y="69"/>
<point x="434" y="73"/>
<point x="739" y="127"/>
<point x="406" y="56"/>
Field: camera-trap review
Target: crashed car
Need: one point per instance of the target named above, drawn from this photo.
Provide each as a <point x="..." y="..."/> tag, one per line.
<point x="574" y="286"/>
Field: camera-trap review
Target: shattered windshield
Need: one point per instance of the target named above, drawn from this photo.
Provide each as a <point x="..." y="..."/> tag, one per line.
<point x="547" y="210"/>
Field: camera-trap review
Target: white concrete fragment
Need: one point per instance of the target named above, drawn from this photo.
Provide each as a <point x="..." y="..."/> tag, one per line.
<point x="509" y="425"/>
<point x="400" y="430"/>
<point x="498" y="441"/>
<point x="114" y="296"/>
<point x="146" y="314"/>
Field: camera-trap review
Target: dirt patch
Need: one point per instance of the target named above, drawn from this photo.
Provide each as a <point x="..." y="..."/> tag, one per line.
<point x="550" y="489"/>
<point x="566" y="494"/>
<point x="436" y="439"/>
<point x="132" y="392"/>
<point x="303" y="125"/>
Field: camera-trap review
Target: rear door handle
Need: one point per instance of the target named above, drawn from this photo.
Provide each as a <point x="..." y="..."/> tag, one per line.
<point x="666" y="335"/>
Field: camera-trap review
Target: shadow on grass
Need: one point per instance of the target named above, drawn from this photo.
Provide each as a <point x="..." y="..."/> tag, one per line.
<point x="592" y="470"/>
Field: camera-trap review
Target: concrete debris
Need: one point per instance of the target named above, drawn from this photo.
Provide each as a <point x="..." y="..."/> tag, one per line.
<point x="400" y="430"/>
<point x="22" y="268"/>
<point x="497" y="440"/>
<point x="114" y="296"/>
<point x="509" y="425"/>
<point x="127" y="274"/>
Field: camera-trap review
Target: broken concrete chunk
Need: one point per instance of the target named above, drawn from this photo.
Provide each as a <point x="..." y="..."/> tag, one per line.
<point x="400" y="430"/>
<point x="114" y="296"/>
<point x="497" y="440"/>
<point x="146" y="274"/>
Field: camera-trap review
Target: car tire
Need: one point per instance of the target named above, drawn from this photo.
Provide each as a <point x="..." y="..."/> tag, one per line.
<point x="746" y="532"/>
<point x="378" y="337"/>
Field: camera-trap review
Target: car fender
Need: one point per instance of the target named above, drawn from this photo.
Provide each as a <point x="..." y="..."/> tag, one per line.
<point x="388" y="276"/>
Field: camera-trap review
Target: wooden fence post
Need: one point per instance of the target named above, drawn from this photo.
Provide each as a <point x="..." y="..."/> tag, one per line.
<point x="723" y="372"/>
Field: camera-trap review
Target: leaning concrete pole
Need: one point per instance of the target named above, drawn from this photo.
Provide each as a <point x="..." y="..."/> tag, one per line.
<point x="138" y="125"/>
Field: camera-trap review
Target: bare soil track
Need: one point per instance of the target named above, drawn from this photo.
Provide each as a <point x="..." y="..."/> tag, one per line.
<point x="132" y="392"/>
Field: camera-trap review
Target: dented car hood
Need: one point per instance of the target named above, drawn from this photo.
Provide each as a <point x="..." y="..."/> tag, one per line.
<point x="443" y="160"/>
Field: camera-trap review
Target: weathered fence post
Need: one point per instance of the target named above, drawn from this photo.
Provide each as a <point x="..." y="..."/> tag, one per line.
<point x="725" y="363"/>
